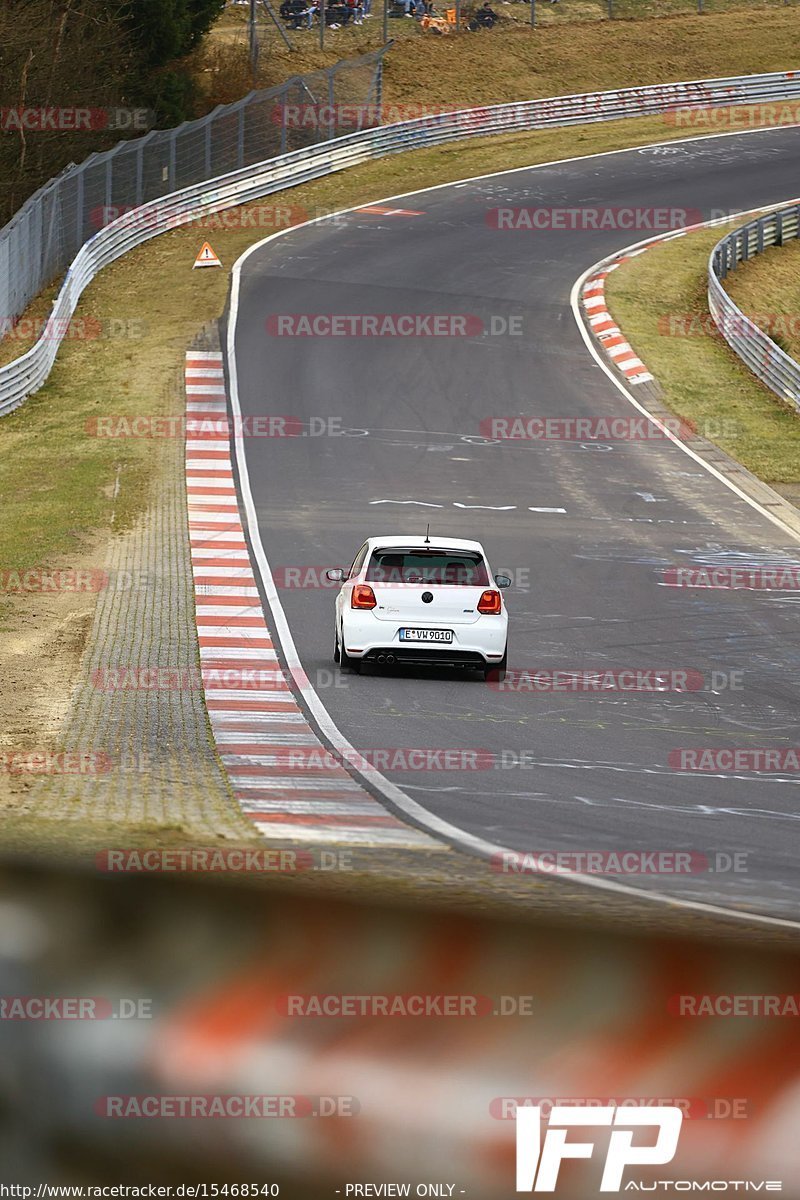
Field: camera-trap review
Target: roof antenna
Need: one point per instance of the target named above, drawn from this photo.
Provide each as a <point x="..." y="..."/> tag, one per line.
<point x="428" y="535"/>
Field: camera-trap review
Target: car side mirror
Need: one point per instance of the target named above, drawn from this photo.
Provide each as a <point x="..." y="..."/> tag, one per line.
<point x="335" y="574"/>
<point x="502" y="581"/>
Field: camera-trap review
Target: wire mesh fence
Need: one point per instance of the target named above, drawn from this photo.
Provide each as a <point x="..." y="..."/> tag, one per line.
<point x="43" y="238"/>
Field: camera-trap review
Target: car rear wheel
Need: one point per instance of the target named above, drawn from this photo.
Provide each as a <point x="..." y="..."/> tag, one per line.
<point x="348" y="663"/>
<point x="497" y="671"/>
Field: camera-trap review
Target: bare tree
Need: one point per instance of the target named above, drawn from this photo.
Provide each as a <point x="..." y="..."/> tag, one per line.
<point x="55" y="54"/>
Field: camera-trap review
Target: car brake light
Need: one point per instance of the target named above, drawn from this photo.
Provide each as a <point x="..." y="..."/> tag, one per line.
<point x="489" y="602"/>
<point x="363" y="596"/>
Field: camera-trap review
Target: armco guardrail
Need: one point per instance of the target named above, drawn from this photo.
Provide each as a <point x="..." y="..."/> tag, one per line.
<point x="777" y="369"/>
<point x="23" y="376"/>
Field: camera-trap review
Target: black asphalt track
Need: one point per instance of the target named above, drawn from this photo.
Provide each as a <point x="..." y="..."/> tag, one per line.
<point x="593" y="772"/>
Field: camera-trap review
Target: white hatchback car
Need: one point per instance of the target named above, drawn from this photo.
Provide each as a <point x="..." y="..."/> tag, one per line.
<point x="427" y="601"/>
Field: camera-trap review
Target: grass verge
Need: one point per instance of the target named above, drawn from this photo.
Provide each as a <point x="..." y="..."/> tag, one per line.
<point x="659" y="301"/>
<point x="514" y="61"/>
<point x="767" y="289"/>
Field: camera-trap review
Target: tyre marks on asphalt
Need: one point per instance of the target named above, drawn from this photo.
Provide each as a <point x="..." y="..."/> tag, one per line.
<point x="285" y="780"/>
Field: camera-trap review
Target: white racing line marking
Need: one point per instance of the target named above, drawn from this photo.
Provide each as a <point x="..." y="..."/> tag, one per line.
<point x="489" y="507"/>
<point x="417" y="813"/>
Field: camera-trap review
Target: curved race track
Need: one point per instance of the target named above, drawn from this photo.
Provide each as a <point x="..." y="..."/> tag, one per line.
<point x="589" y="591"/>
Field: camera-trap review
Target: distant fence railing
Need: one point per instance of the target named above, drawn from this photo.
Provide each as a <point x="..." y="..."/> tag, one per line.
<point x="765" y="358"/>
<point x="36" y="226"/>
<point x="46" y="234"/>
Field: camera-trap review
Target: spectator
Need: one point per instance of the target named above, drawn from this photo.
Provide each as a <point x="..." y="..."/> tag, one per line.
<point x="337" y="15"/>
<point x="302" y="15"/>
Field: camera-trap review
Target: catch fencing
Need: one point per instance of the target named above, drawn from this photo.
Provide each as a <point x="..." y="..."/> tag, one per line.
<point x="46" y="234"/>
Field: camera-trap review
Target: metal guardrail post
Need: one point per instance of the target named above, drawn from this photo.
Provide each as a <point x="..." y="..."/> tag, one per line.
<point x="333" y="126"/>
<point x="285" y="97"/>
<point x="172" y="167"/>
<point x="240" y="139"/>
<point x="378" y="86"/>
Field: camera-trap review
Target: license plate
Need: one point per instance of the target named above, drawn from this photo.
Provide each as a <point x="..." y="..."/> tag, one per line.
<point x="426" y="635"/>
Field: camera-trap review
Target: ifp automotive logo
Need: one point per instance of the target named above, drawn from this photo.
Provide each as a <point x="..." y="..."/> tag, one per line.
<point x="538" y="1164"/>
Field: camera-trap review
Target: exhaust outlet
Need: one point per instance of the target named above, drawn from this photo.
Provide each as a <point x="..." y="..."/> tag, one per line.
<point x="390" y="658"/>
<point x="381" y="658"/>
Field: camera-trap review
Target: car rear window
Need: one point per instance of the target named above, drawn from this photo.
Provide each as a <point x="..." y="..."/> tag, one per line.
<point x="455" y="569"/>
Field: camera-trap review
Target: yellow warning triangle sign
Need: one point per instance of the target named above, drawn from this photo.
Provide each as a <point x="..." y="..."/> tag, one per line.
<point x="206" y="257"/>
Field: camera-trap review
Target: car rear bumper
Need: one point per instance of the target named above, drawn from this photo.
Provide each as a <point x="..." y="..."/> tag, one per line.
<point x="434" y="657"/>
<point x="477" y="644"/>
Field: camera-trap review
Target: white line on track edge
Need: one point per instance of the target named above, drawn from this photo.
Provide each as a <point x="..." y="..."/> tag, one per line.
<point x="420" y="815"/>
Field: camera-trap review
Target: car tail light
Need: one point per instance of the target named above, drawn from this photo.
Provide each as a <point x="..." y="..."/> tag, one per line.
<point x="363" y="596"/>
<point x="489" y="602"/>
